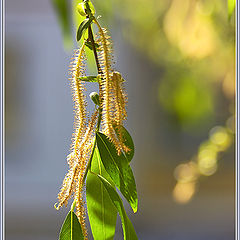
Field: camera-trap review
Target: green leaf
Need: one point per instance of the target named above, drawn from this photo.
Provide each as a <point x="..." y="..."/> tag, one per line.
<point x="90" y="10"/>
<point x="101" y="211"/>
<point x="231" y="7"/>
<point x="64" y="17"/>
<point x="127" y="139"/>
<point x="83" y="26"/>
<point x="118" y="169"/>
<point x="89" y="79"/>
<point x="81" y="9"/>
<point x="71" y="228"/>
<point x="77" y="18"/>
<point x="128" y="229"/>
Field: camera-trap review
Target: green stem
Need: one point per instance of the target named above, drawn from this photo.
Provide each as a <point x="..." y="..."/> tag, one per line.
<point x="99" y="119"/>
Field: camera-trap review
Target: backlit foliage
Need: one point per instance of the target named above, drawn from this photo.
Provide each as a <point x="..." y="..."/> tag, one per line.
<point x="111" y="144"/>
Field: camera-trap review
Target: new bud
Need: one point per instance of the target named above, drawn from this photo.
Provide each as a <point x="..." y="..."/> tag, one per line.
<point x="81" y="9"/>
<point x="95" y="98"/>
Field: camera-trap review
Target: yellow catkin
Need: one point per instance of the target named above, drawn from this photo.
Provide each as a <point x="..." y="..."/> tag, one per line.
<point x="120" y="101"/>
<point x="112" y="95"/>
<point x="85" y="149"/>
<point x="67" y="187"/>
<point x="77" y="70"/>
<point x="73" y="183"/>
<point x="113" y="105"/>
<point x="82" y="142"/>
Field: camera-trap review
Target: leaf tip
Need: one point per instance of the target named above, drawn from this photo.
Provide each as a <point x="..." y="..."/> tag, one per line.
<point x="135" y="206"/>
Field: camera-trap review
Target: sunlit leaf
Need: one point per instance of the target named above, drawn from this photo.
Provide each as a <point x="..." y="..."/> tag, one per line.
<point x="83" y="26"/>
<point x="89" y="79"/>
<point x="101" y="211"/>
<point x="128" y="229"/>
<point x="89" y="7"/>
<point x="77" y="19"/>
<point x="81" y="9"/>
<point x="71" y="228"/>
<point x="127" y="139"/>
<point x="119" y="170"/>
<point x="63" y="12"/>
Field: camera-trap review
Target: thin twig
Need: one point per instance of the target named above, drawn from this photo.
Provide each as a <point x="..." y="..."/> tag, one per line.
<point x="90" y="35"/>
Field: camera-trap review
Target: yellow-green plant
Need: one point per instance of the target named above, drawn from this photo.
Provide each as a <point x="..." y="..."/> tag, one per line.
<point x="101" y="147"/>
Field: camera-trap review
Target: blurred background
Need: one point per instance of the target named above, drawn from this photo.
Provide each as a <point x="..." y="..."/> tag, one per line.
<point x="177" y="57"/>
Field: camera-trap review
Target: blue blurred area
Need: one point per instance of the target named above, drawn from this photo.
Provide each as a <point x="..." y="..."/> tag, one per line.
<point x="39" y="119"/>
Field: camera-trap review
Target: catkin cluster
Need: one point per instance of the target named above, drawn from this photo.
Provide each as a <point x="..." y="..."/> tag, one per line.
<point x="112" y="94"/>
<point x="82" y="142"/>
<point x="113" y="111"/>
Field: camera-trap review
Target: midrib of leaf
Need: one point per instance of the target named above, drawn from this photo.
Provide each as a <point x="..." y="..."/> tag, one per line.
<point x="103" y="212"/>
<point x="71" y="225"/>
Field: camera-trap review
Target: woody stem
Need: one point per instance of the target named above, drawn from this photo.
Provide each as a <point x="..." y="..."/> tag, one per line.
<point x="91" y="38"/>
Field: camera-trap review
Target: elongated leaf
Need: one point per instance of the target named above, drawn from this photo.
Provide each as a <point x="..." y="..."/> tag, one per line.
<point x="128" y="229"/>
<point x="77" y="18"/>
<point x="89" y="79"/>
<point x="71" y="228"/>
<point x="231" y="7"/>
<point x="83" y="26"/>
<point x="118" y="169"/>
<point x="127" y="139"/>
<point x="101" y="211"/>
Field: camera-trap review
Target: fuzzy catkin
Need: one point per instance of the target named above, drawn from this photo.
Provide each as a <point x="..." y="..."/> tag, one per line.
<point x="82" y="142"/>
<point x="112" y="94"/>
